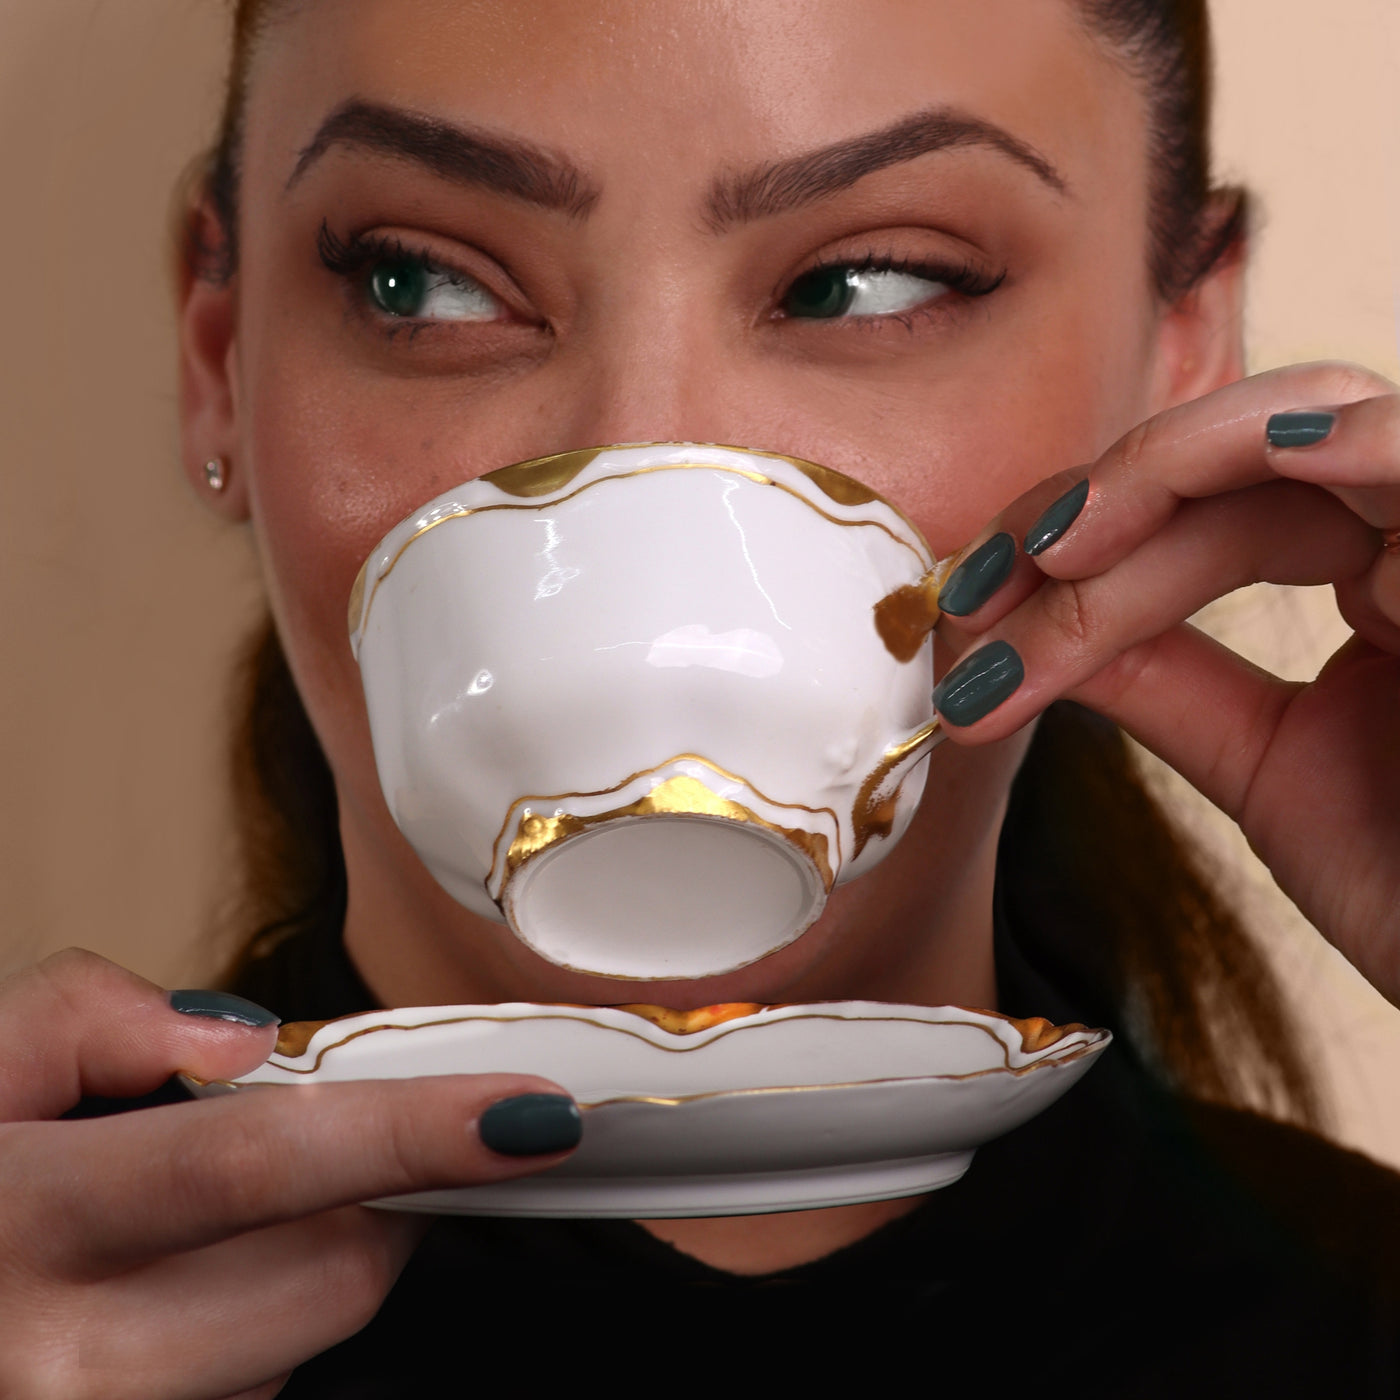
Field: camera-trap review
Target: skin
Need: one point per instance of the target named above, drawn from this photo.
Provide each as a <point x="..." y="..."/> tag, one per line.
<point x="639" y="322"/>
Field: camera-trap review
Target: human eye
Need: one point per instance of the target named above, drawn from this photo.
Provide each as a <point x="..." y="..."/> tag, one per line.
<point x="880" y="287"/>
<point x="405" y="286"/>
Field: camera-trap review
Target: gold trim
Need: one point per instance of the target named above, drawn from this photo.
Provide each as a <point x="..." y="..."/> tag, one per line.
<point x="528" y="479"/>
<point x="905" y="617"/>
<point x="1005" y="1066"/>
<point x="556" y="798"/>
<point x="756" y="477"/>
<point x="357" y="598"/>
<point x="678" y="796"/>
<point x="701" y="1018"/>
<point x="518" y="479"/>
<point x="1039" y="1034"/>
<point x="676" y="1100"/>
<point x="874" y="812"/>
<point x="837" y="486"/>
<point x="1092" y="1047"/>
<point x="295" y="1036"/>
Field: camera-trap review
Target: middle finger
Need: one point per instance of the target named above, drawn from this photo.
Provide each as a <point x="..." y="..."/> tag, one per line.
<point x="1068" y="630"/>
<point x="181" y="1327"/>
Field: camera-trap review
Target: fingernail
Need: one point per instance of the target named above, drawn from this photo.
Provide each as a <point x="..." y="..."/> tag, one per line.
<point x="1299" y="429"/>
<point x="222" y="1006"/>
<point x="978" y="576"/>
<point x="529" y="1124"/>
<point x="1057" y="518"/>
<point x="978" y="684"/>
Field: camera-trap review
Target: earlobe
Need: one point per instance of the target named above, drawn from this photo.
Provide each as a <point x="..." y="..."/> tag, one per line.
<point x="207" y="323"/>
<point x="1200" y="339"/>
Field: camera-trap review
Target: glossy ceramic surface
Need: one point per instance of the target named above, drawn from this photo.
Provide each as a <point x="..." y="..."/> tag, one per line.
<point x="785" y="1108"/>
<point x="649" y="704"/>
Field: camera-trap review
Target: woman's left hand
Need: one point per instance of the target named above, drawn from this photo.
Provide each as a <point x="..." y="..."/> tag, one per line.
<point x="1199" y="501"/>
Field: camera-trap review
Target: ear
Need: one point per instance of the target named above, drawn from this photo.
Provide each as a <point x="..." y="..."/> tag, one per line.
<point x="1200" y="338"/>
<point x="207" y="323"/>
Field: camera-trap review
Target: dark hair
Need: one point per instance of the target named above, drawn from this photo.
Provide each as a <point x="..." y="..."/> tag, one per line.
<point x="286" y="810"/>
<point x="1165" y="44"/>
<point x="1136" y="922"/>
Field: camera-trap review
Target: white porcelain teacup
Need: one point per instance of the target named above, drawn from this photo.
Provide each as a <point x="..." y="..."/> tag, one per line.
<point x="649" y="704"/>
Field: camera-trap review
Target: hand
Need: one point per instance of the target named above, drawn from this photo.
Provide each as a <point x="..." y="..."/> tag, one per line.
<point x="1194" y="503"/>
<point x="201" y="1249"/>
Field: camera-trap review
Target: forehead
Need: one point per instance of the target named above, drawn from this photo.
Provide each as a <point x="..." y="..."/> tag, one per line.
<point x="680" y="86"/>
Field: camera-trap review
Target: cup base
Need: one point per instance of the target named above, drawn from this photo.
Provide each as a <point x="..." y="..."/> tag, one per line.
<point x="657" y="898"/>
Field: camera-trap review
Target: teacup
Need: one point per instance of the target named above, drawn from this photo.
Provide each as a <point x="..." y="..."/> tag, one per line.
<point x="649" y="704"/>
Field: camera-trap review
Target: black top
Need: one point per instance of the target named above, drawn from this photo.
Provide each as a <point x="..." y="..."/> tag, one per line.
<point x="1124" y="1243"/>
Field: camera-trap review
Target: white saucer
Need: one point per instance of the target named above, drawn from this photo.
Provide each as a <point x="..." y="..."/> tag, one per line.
<point x="778" y="1108"/>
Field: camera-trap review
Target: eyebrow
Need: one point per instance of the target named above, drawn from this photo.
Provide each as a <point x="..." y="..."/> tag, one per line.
<point x="522" y="170"/>
<point x="777" y="188"/>
<point x="503" y="164"/>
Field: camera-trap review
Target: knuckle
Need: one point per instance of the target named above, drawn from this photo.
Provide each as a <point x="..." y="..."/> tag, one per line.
<point x="363" y="1278"/>
<point x="35" y="1199"/>
<point x="1339" y="381"/>
<point x="1122" y="676"/>
<point x="78" y="968"/>
<point x="74" y="960"/>
<point x="355" y="1268"/>
<point x="1138" y="444"/>
<point x="409" y="1148"/>
<point x="1069" y="608"/>
<point x="75" y="978"/>
<point x="235" y="1167"/>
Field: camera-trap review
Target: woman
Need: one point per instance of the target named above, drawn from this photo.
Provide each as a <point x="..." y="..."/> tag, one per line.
<point x="969" y="255"/>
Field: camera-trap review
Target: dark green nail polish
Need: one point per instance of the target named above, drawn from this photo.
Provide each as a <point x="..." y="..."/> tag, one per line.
<point x="222" y="1006"/>
<point x="1299" y="429"/>
<point x="978" y="684"/>
<point x="529" y="1124"/>
<point x="1057" y="519"/>
<point x="978" y="576"/>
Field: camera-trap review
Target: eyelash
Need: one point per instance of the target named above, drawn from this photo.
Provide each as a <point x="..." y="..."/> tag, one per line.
<point x="349" y="258"/>
<point x="965" y="278"/>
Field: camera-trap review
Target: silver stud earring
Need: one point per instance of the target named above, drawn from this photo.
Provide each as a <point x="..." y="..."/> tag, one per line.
<point x="214" y="474"/>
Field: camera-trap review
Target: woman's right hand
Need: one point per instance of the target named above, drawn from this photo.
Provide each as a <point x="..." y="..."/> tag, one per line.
<point x="200" y="1250"/>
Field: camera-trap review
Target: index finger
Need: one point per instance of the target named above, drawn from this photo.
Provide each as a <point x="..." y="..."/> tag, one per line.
<point x="1206" y="447"/>
<point x="118" y="1191"/>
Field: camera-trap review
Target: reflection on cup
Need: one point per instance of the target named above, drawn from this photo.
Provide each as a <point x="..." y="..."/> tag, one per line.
<point x="649" y="704"/>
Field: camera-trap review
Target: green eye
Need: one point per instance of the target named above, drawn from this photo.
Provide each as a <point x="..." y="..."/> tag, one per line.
<point x="399" y="287"/>
<point x="412" y="289"/>
<point x="839" y="292"/>
<point x="823" y="293"/>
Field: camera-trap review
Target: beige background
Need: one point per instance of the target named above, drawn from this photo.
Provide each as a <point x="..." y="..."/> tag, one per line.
<point x="124" y="602"/>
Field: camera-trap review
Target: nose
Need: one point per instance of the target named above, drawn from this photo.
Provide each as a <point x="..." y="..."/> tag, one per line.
<point x="666" y="382"/>
<point x="656" y="348"/>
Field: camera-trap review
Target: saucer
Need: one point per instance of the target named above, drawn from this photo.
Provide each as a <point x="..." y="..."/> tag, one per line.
<point x="727" y="1111"/>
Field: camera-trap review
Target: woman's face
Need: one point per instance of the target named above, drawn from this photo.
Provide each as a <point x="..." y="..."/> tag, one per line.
<point x="906" y="238"/>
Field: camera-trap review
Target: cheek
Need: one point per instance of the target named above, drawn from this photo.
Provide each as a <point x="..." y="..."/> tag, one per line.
<point x="333" y="464"/>
<point x="1058" y="401"/>
<point x="955" y="447"/>
<point x="335" y="458"/>
<point x="325" y="486"/>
